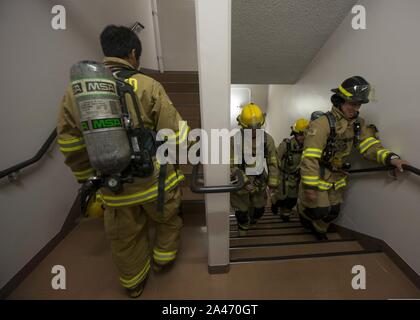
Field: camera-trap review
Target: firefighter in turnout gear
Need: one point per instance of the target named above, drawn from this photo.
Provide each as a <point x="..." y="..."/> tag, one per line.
<point x="249" y="203"/>
<point x="328" y="141"/>
<point x="289" y="154"/>
<point x="127" y="212"/>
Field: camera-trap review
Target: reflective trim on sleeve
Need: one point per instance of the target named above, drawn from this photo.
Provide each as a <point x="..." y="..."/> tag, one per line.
<point x="73" y="144"/>
<point x="340" y="183"/>
<point x="312" y="153"/>
<point x="83" y="175"/>
<point x="381" y="155"/>
<point x="324" y="186"/>
<point x="310" y="180"/>
<point x="367" y="143"/>
<point x="181" y="135"/>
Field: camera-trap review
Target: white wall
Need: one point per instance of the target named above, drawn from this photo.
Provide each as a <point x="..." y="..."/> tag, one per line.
<point x="387" y="55"/>
<point x="35" y="61"/>
<point x="178" y="34"/>
<point x="242" y="94"/>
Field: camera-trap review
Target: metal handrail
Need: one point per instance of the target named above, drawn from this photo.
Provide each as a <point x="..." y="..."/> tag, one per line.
<point x="236" y="186"/>
<point x="406" y="167"/>
<point x="12" y="171"/>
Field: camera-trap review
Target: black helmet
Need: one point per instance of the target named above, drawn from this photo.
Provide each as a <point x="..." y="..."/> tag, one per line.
<point x="354" y="89"/>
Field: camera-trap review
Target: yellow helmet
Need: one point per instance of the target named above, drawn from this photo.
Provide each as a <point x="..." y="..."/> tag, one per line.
<point x="95" y="208"/>
<point x="300" y="126"/>
<point x="251" y="116"/>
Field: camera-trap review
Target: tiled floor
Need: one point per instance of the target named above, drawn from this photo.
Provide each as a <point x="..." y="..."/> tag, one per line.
<point x="92" y="275"/>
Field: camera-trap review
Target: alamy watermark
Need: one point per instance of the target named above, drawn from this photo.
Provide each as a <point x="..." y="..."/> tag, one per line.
<point x="359" y="20"/>
<point x="58" y="282"/>
<point x="196" y="147"/>
<point x="359" y="280"/>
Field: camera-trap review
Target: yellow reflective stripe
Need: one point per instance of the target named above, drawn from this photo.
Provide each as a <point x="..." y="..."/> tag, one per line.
<point x="164" y="256"/>
<point x="73" y="148"/>
<point x="69" y="141"/>
<point x="181" y="135"/>
<point x="323" y="185"/>
<point x="184" y="135"/>
<point x="273" y="160"/>
<point x="345" y="92"/>
<point x="273" y="181"/>
<point x="141" y="197"/>
<point x="83" y="174"/>
<point x="315" y="150"/>
<point x="130" y="283"/>
<point x="310" y="180"/>
<point x="74" y="144"/>
<point x="381" y="155"/>
<point x="366" y="144"/>
<point x="340" y="183"/>
<point x="312" y="153"/>
<point x="132" y="82"/>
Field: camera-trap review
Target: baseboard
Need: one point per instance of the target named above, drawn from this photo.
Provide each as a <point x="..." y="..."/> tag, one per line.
<point x="68" y="225"/>
<point x="219" y="269"/>
<point x="371" y="243"/>
<point x="148" y="71"/>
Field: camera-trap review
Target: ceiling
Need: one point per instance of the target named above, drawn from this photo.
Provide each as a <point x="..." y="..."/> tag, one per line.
<point x="273" y="41"/>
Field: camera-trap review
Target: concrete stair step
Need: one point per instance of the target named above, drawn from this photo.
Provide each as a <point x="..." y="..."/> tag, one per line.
<point x="296" y="237"/>
<point x="271" y="226"/>
<point x="270" y="232"/>
<point x="294" y="250"/>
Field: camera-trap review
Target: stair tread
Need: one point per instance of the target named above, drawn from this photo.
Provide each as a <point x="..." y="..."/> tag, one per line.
<point x="267" y="232"/>
<point x="279" y="239"/>
<point x="274" y="226"/>
<point x="294" y="250"/>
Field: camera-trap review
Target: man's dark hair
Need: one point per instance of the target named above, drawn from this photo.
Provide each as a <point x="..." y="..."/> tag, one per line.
<point x="118" y="41"/>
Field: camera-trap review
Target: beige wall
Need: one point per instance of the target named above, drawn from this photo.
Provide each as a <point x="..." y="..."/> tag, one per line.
<point x="387" y="56"/>
<point x="178" y="34"/>
<point x="35" y="61"/>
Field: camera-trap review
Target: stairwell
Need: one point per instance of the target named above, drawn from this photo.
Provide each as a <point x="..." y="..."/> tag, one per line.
<point x="273" y="239"/>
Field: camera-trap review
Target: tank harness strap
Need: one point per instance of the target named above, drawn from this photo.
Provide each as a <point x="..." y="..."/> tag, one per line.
<point x="125" y="74"/>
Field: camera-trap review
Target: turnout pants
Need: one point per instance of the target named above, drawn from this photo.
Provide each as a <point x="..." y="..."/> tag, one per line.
<point x="320" y="213"/>
<point x="127" y="230"/>
<point x="248" y="206"/>
<point x="285" y="196"/>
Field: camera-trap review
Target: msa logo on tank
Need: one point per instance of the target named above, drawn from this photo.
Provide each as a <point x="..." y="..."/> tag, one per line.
<point x="93" y="86"/>
<point x="97" y="124"/>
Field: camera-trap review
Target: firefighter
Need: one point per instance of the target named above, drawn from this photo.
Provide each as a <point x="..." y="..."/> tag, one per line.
<point x="249" y="203"/>
<point x="127" y="213"/>
<point x="289" y="154"/>
<point x="328" y="141"/>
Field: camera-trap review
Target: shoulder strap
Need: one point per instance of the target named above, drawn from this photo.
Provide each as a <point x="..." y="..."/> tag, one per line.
<point x="331" y="121"/>
<point x="125" y="73"/>
<point x="124" y="88"/>
<point x="357" y="132"/>
<point x="329" y="149"/>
